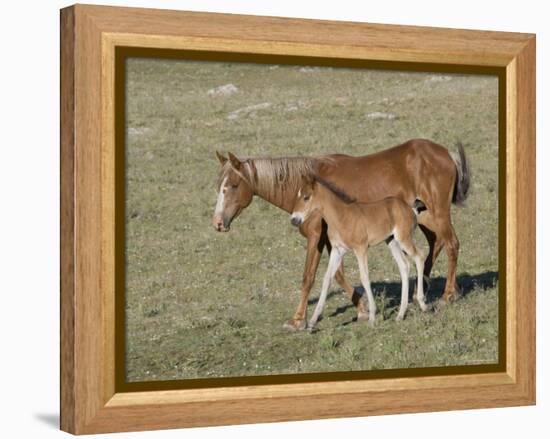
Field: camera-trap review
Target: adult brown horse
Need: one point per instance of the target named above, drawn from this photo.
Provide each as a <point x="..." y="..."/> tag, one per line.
<point x="415" y="170"/>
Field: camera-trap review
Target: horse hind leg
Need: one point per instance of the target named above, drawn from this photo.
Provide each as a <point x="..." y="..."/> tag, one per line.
<point x="435" y="244"/>
<point x="452" y="245"/>
<point x="436" y="224"/>
<point x="439" y="226"/>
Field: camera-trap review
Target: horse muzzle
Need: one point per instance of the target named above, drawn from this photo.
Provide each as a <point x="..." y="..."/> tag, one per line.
<point x="296" y="221"/>
<point x="220" y="224"/>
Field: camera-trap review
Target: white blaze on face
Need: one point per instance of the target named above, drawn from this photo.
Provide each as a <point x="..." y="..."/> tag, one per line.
<point x="221" y="198"/>
<point x="296" y="214"/>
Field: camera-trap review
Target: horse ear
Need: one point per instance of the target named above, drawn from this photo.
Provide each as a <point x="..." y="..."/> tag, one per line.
<point x="235" y="162"/>
<point x="221" y="158"/>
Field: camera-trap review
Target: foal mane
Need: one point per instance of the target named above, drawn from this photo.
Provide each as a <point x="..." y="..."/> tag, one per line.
<point x="271" y="175"/>
<point x="339" y="192"/>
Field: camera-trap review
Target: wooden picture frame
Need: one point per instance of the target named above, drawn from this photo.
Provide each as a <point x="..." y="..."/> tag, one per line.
<point x="91" y="402"/>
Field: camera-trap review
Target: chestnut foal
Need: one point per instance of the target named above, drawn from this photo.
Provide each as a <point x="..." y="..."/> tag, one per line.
<point x="357" y="226"/>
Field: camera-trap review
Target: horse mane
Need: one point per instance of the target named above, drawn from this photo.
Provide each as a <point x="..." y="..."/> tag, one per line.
<point x="339" y="192"/>
<point x="271" y="175"/>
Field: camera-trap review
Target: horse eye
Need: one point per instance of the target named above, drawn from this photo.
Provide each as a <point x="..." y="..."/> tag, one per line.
<point x="307" y="197"/>
<point x="235" y="186"/>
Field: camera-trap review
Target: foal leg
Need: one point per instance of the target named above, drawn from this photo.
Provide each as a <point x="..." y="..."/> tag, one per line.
<point x="362" y="259"/>
<point x="334" y="262"/>
<point x="404" y="268"/>
<point x="419" y="261"/>
<point x="415" y="253"/>
<point x="352" y="294"/>
<point x="407" y="244"/>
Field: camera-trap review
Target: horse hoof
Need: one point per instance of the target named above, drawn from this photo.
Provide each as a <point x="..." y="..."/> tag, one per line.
<point x="361" y="317"/>
<point x="399" y="317"/>
<point x="295" y="325"/>
<point x="372" y="322"/>
<point x="448" y="299"/>
<point x="424" y="307"/>
<point x="444" y="301"/>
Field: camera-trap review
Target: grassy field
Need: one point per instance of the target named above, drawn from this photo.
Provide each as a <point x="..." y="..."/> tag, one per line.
<point x="206" y="304"/>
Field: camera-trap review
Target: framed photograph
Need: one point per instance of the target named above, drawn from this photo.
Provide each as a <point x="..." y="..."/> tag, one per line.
<point x="214" y="166"/>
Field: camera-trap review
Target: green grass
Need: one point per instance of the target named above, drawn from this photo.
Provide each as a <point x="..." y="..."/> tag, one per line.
<point x="206" y="304"/>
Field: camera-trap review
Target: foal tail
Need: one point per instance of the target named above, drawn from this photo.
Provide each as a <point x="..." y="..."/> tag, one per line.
<point x="463" y="176"/>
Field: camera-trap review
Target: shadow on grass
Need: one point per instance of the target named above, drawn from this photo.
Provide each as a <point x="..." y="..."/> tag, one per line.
<point x="466" y="282"/>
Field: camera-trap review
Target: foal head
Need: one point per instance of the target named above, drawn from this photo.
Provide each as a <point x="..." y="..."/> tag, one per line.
<point x="313" y="195"/>
<point x="305" y="201"/>
<point x="234" y="192"/>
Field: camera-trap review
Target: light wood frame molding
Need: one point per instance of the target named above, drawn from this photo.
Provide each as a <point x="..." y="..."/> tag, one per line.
<point x="89" y="36"/>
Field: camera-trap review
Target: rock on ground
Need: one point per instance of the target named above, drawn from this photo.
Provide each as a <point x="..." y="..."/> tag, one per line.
<point x="223" y="90"/>
<point x="248" y="111"/>
<point x="377" y="115"/>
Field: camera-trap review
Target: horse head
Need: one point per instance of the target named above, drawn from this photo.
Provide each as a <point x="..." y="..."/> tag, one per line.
<point x="234" y="192"/>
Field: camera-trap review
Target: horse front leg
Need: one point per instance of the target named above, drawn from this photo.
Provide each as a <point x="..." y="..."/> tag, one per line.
<point x="314" y="250"/>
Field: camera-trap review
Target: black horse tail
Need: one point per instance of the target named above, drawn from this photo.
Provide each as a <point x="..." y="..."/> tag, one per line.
<point x="463" y="176"/>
